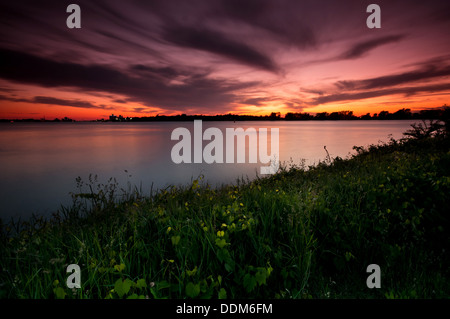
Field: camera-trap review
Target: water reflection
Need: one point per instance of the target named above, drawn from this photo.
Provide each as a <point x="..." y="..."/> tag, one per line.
<point x="40" y="161"/>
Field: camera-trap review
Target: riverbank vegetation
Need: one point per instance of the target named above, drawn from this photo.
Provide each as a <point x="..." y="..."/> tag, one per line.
<point x="305" y="232"/>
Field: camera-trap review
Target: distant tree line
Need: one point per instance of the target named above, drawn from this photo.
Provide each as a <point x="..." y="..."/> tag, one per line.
<point x="64" y="119"/>
<point x="402" y="114"/>
<point x="219" y="117"/>
<point x="442" y="113"/>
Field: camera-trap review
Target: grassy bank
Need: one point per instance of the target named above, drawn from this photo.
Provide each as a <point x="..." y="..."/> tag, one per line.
<point x="302" y="233"/>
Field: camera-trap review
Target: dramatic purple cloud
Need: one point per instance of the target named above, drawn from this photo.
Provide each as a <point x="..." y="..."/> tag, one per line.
<point x="221" y="55"/>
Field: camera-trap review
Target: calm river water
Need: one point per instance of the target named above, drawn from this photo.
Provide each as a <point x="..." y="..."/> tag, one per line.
<point x="39" y="162"/>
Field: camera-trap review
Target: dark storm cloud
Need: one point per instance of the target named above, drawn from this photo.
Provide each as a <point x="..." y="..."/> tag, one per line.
<point x="407" y="83"/>
<point x="258" y="101"/>
<point x="432" y="62"/>
<point x="12" y="99"/>
<point x="196" y="90"/>
<point x="167" y="72"/>
<point x="361" y="49"/>
<point x="139" y="109"/>
<point x="219" y="43"/>
<point x="407" y="91"/>
<point x="55" y="101"/>
<point x="120" y="101"/>
<point x="8" y="90"/>
<point x="424" y="73"/>
<point x="27" y="68"/>
<point x="288" y="27"/>
<point x="74" y="103"/>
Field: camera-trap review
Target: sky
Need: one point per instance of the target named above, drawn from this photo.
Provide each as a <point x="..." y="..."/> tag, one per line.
<point x="143" y="58"/>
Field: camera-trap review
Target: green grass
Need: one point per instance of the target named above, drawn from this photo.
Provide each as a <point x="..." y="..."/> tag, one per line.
<point x="301" y="233"/>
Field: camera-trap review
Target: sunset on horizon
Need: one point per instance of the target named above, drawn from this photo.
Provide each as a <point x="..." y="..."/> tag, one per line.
<point x="140" y="58"/>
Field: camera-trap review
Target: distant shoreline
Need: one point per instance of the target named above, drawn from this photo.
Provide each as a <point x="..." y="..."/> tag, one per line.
<point x="402" y="114"/>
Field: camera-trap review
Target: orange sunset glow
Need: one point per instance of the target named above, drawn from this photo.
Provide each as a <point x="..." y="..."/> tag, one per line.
<point x="217" y="57"/>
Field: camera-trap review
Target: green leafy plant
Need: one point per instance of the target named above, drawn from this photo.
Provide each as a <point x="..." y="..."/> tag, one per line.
<point x="126" y="288"/>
